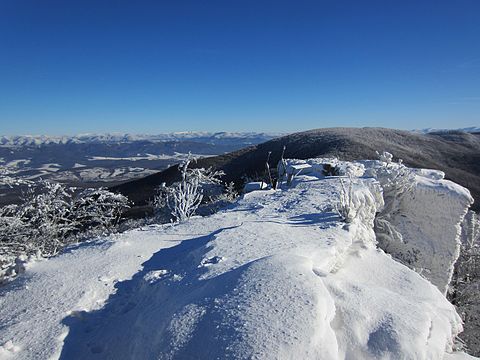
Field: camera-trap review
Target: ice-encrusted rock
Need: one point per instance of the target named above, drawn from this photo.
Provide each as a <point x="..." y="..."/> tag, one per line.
<point x="319" y="167"/>
<point x="429" y="219"/>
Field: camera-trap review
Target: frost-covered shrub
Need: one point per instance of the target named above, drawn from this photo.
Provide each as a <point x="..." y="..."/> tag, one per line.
<point x="359" y="200"/>
<point x="98" y="209"/>
<point x="231" y="192"/>
<point x="183" y="198"/>
<point x="471" y="233"/>
<point x="47" y="218"/>
<point x="385" y="157"/>
<point x="12" y="230"/>
<point x="396" y="180"/>
<point x="52" y="216"/>
<point x="228" y="195"/>
<point x="345" y="206"/>
<point x="159" y="203"/>
<point x="464" y="290"/>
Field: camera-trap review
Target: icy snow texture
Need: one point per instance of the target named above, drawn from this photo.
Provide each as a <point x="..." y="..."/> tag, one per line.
<point x="276" y="276"/>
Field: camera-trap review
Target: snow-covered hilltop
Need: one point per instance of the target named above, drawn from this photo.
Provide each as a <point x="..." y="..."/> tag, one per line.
<point x="294" y="273"/>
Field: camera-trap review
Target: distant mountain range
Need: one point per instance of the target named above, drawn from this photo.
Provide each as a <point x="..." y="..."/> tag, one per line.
<point x="213" y="138"/>
<point x="471" y="129"/>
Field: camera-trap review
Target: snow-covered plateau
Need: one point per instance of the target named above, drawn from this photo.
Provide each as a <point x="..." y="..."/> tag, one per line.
<point x="279" y="274"/>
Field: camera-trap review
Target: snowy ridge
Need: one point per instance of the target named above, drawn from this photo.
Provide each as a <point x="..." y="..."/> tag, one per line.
<point x="278" y="275"/>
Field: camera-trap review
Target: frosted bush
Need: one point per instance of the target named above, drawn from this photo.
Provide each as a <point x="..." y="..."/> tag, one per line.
<point x="98" y="209"/>
<point x="46" y="218"/>
<point x="159" y="203"/>
<point x="464" y="290"/>
<point x="345" y="206"/>
<point x="385" y="157"/>
<point x="230" y="192"/>
<point x="396" y="180"/>
<point x="183" y="198"/>
<point x="52" y="216"/>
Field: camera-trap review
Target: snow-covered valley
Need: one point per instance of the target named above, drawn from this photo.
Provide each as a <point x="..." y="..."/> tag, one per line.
<point x="279" y="274"/>
<point x="108" y="159"/>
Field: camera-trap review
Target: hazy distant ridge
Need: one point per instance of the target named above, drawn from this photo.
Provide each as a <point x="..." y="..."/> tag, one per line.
<point x="471" y="129"/>
<point x="200" y="136"/>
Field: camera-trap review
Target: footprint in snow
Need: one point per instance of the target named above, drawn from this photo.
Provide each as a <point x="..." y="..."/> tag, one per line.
<point x="319" y="272"/>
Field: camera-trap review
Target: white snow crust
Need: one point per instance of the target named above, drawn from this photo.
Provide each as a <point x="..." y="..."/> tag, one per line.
<point x="278" y="275"/>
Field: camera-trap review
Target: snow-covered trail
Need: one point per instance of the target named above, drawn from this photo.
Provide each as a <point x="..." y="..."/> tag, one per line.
<point x="33" y="307"/>
<point x="276" y="276"/>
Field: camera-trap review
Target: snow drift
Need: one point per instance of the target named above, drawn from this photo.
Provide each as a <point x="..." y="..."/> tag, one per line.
<point x="278" y="275"/>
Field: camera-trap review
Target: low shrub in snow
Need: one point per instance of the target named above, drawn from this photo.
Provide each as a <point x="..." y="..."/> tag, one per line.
<point x="220" y="200"/>
<point x="230" y="192"/>
<point x="52" y="216"/>
<point x="396" y="180"/>
<point x="345" y="206"/>
<point x="182" y="199"/>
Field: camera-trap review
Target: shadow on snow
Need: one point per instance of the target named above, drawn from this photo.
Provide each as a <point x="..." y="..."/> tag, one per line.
<point x="135" y="322"/>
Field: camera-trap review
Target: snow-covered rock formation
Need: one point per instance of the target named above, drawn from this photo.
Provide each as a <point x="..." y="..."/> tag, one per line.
<point x="426" y="211"/>
<point x="429" y="221"/>
<point x="278" y="275"/>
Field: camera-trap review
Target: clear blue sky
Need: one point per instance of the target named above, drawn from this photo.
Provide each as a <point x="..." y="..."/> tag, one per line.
<point x="73" y="66"/>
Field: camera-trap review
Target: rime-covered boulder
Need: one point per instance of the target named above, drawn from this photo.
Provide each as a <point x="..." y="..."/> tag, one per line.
<point x="429" y="219"/>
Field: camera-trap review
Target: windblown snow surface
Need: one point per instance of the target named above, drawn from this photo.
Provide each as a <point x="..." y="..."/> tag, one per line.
<point x="278" y="275"/>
